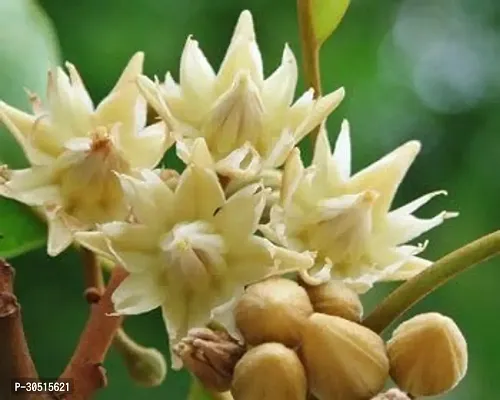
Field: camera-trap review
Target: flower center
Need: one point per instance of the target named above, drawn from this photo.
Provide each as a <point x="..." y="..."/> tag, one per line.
<point x="194" y="253"/>
<point x="91" y="191"/>
<point x="341" y="228"/>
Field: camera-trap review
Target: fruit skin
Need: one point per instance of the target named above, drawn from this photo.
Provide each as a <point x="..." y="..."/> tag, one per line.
<point x="428" y="355"/>
<point x="336" y="299"/>
<point x="273" y="310"/>
<point x="343" y="360"/>
<point x="269" y="371"/>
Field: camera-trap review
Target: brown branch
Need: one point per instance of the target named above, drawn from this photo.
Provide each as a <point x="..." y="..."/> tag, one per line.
<point x="85" y="367"/>
<point x="15" y="358"/>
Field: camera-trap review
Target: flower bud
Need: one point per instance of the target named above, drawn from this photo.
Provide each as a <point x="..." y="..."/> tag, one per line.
<point x="273" y="310"/>
<point x="146" y="366"/>
<point x="211" y="356"/>
<point x="269" y="371"/>
<point x="343" y="360"/>
<point x="335" y="298"/>
<point x="428" y="355"/>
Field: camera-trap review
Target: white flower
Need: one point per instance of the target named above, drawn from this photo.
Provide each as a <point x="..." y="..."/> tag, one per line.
<point x="248" y="122"/>
<point x="74" y="148"/>
<point x="347" y="219"/>
<point x="190" y="251"/>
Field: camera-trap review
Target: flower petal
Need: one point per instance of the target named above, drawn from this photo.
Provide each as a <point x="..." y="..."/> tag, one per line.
<point x="242" y="163"/>
<point x="412" y="267"/>
<point x="239" y="216"/>
<point x="197" y="77"/>
<point x="136" y="261"/>
<point x="151" y="201"/>
<point x="385" y="176"/>
<point x="195" y="152"/>
<point x="342" y="153"/>
<point x="124" y="105"/>
<point x="278" y="90"/>
<point x="96" y="242"/>
<point x="413" y="206"/>
<point x="321" y="108"/>
<point x="82" y="100"/>
<point x="242" y="54"/>
<point x="68" y="114"/>
<point x="236" y="117"/>
<point x="133" y="237"/>
<point x="404" y="228"/>
<point x="131" y="72"/>
<point x="138" y="294"/>
<point x="147" y="147"/>
<point x="27" y="129"/>
<point x="198" y="194"/>
<point x="290" y="261"/>
<point x="60" y="236"/>
<point x="292" y="175"/>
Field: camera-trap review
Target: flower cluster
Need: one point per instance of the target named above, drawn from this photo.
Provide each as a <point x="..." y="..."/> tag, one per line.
<point x="244" y="209"/>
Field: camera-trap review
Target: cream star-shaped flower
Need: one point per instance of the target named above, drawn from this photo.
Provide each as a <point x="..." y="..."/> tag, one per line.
<point x="248" y="122"/>
<point x="189" y="251"/>
<point x="74" y="148"/>
<point x="347" y="219"/>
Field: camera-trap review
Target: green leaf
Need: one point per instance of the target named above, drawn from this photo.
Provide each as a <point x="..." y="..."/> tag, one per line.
<point x="20" y="230"/>
<point x="28" y="47"/>
<point x="326" y="16"/>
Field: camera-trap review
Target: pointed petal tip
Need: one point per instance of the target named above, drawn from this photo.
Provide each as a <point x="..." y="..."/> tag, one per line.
<point x="450" y="214"/>
<point x="413" y="146"/>
<point x="245" y="26"/>
<point x="288" y="56"/>
<point x="345" y="125"/>
<point x="137" y="60"/>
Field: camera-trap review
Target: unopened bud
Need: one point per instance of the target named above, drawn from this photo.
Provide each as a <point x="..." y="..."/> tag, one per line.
<point x="146" y="366"/>
<point x="392" y="394"/>
<point x="273" y="310"/>
<point x="343" y="360"/>
<point x="335" y="298"/>
<point x="211" y="356"/>
<point x="428" y="355"/>
<point x="269" y="371"/>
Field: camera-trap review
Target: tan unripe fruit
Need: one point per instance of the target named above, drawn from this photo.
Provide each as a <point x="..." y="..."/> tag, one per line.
<point x="343" y="360"/>
<point x="269" y="371"/>
<point x="273" y="310"/>
<point x="335" y="298"/>
<point x="428" y="355"/>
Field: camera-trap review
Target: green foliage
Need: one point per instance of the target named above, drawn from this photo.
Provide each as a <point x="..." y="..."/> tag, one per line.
<point x="326" y="16"/>
<point x="29" y="47"/>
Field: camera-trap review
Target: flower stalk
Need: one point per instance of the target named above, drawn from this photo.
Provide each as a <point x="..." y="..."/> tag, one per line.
<point x="415" y="289"/>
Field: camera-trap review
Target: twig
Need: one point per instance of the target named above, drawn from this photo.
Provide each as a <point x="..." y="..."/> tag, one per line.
<point x="15" y="358"/>
<point x="85" y="367"/>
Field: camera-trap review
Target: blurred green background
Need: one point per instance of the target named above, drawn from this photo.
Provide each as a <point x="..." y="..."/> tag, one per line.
<point x="412" y="69"/>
